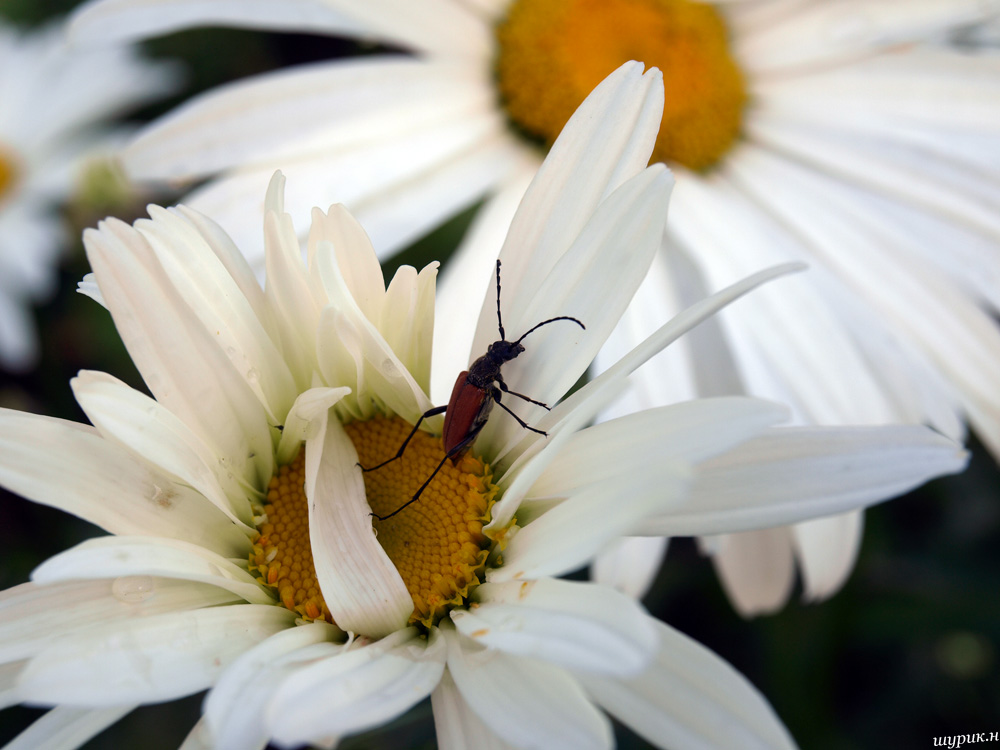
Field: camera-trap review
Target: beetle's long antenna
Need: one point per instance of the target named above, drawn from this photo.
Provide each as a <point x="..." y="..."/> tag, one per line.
<point x="503" y="336"/>
<point x="551" y="320"/>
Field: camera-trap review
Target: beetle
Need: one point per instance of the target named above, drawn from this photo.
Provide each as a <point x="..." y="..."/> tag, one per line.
<point x="472" y="398"/>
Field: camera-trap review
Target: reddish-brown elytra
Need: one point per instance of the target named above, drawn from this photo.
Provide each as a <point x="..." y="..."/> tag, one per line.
<point x="472" y="399"/>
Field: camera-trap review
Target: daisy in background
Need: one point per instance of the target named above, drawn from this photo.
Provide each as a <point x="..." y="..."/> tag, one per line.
<point x="243" y="556"/>
<point x="56" y="101"/>
<point x="844" y="133"/>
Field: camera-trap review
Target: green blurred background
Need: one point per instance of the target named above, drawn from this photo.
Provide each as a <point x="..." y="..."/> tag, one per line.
<point x="907" y="652"/>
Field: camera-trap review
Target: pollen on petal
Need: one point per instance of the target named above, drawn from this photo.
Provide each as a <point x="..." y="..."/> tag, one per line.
<point x="437" y="544"/>
<point x="554" y="52"/>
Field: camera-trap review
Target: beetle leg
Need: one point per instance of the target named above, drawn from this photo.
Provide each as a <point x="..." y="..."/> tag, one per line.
<point x="505" y="389"/>
<point x="427" y="414"/>
<point x="453" y="452"/>
<point x="495" y="395"/>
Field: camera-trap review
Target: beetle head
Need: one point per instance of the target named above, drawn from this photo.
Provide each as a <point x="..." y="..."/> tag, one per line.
<point x="504" y="351"/>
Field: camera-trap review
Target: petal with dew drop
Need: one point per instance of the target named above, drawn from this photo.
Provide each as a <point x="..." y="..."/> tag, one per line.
<point x="87" y="604"/>
<point x="181" y="653"/>
<point x="119" y="556"/>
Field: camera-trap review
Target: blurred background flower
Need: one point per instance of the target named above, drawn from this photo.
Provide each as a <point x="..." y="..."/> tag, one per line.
<point x="56" y="143"/>
<point x="856" y="135"/>
<point x="907" y="652"/>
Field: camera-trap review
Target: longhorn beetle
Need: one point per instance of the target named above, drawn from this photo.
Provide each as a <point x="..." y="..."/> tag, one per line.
<point x="472" y="399"/>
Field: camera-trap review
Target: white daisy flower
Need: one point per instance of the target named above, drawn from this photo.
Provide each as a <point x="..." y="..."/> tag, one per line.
<point x="54" y="100"/>
<point x="844" y="133"/>
<point x="243" y="555"/>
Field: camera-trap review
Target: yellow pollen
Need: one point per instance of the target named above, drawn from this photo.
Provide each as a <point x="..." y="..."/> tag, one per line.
<point x="554" y="52"/>
<point x="8" y="172"/>
<point x="437" y="544"/>
<point x="281" y="556"/>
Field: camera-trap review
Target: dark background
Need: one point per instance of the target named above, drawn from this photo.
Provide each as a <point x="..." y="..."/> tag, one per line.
<point x="905" y="653"/>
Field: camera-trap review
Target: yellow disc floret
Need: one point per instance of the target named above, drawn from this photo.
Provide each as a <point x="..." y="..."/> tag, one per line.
<point x="437" y="544"/>
<point x="281" y="555"/>
<point x="554" y="52"/>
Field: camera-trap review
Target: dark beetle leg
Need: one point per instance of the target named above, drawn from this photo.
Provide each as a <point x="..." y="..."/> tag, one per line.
<point x="453" y="452"/>
<point x="495" y="395"/>
<point x="429" y="413"/>
<point x="505" y="389"/>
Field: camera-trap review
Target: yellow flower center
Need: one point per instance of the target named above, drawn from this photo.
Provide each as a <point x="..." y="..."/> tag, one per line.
<point x="437" y="544"/>
<point x="8" y="172"/>
<point x="281" y="555"/>
<point x="554" y="52"/>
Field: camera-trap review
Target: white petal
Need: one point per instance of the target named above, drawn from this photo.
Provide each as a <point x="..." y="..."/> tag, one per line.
<point x="821" y="34"/>
<point x="235" y="708"/>
<point x="688" y="432"/>
<point x="441" y="25"/>
<point x="358" y="689"/>
<point x="180" y="360"/>
<point x="796" y="473"/>
<point x="456" y="725"/>
<point x="665" y="335"/>
<point x="527" y="703"/>
<point x="309" y="405"/>
<point x="205" y="284"/>
<point x="580" y="626"/>
<point x="141" y="425"/>
<point x="466" y="278"/>
<point x="148" y="660"/>
<point x="568" y="535"/>
<point x="65" y="465"/>
<point x="87" y="604"/>
<point x="592" y="282"/>
<point x="826" y="549"/>
<point x="630" y="564"/>
<point x="606" y="141"/>
<point x="360" y="585"/>
<point x="398" y="188"/>
<point x="691" y="698"/>
<point x="383" y="378"/>
<point x="117" y="556"/>
<point x="322" y="108"/>
<point x="67" y="728"/>
<point x="757" y="569"/>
